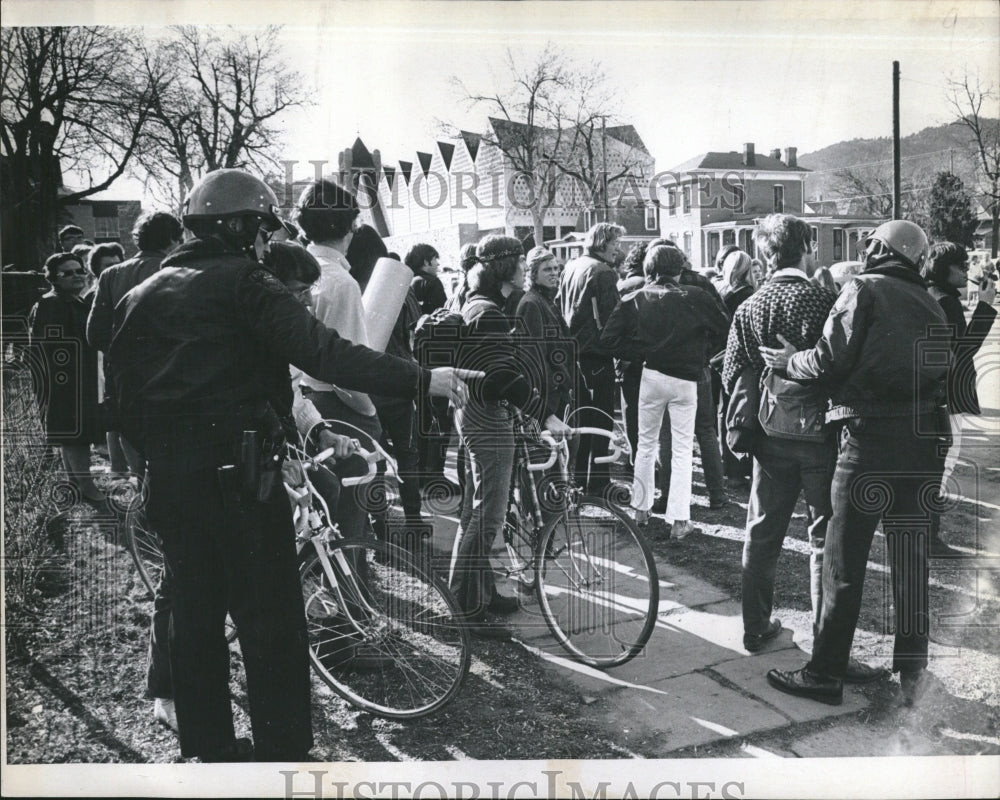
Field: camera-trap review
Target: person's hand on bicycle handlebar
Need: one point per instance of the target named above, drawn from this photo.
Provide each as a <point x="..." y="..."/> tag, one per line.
<point x="342" y="446"/>
<point x="450" y="382"/>
<point x="559" y="429"/>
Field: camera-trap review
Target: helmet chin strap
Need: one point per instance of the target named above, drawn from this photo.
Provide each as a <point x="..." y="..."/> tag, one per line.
<point x="242" y="234"/>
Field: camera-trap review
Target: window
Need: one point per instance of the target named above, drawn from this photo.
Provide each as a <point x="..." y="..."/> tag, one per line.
<point x="779" y="199"/>
<point x="651" y="221"/>
<point x="746" y="240"/>
<point x="686" y="199"/>
<point x="672" y="201"/>
<point x="588" y="218"/>
<point x="106" y="228"/>
<point x="815" y="236"/>
<point x="838" y="244"/>
<point x="687" y="243"/>
<point x="729" y="236"/>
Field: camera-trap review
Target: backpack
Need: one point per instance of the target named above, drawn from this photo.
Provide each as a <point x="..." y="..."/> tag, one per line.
<point x="436" y="336"/>
<point x="791" y="410"/>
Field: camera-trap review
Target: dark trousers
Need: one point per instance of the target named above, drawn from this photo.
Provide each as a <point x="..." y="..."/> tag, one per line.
<point x="433" y="430"/>
<point x="734" y="465"/>
<point x="596" y="388"/>
<point x="706" y="436"/>
<point x="781" y="470"/>
<point x="631" y="379"/>
<point x="885" y="472"/>
<point x="355" y="503"/>
<point x="235" y="557"/>
<point x="158" y="680"/>
<point x="397" y="420"/>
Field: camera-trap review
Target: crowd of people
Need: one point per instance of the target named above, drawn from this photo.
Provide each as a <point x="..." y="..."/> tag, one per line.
<point x="789" y="380"/>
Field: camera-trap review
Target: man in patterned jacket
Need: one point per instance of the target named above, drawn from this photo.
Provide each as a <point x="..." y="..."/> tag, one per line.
<point x="788" y="308"/>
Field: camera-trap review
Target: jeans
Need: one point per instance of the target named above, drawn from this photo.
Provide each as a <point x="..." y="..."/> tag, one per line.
<point x="432" y="431"/>
<point x="885" y="471"/>
<point x="596" y="388"/>
<point x="631" y="380"/>
<point x="708" y="442"/>
<point x="781" y="469"/>
<point x="487" y="431"/>
<point x="657" y="393"/>
<point x="158" y="680"/>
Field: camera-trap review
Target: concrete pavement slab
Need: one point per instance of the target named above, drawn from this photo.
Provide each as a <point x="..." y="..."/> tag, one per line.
<point x="850" y="738"/>
<point x="750" y="675"/>
<point x="694" y="710"/>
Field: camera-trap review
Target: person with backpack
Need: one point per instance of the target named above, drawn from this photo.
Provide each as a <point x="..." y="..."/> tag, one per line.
<point x="791" y="306"/>
<point x="486" y="428"/>
<point x="883" y="357"/>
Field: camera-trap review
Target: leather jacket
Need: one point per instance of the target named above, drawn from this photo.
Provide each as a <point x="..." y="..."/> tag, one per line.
<point x="884" y="351"/>
<point x="208" y="339"/>
<point x="588" y="293"/>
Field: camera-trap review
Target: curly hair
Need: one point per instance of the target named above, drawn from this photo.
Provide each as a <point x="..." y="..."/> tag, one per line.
<point x="499" y="256"/>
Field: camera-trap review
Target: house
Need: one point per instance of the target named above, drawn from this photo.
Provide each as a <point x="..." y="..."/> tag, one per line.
<point x="105" y="221"/>
<point x="717" y="199"/>
<point x="459" y="190"/>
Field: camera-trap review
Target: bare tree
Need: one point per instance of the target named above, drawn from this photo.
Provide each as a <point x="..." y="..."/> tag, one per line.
<point x="74" y="101"/>
<point x="527" y="123"/>
<point x="217" y="104"/>
<point x="967" y="97"/>
<point x="589" y="118"/>
<point x="868" y="188"/>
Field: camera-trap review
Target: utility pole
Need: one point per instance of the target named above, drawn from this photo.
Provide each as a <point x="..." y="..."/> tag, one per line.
<point x="897" y="209"/>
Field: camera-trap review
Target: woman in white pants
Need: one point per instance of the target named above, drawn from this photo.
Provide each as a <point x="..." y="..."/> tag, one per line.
<point x="669" y="325"/>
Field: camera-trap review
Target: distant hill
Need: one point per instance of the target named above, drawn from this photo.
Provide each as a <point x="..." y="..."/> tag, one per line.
<point x="923" y="154"/>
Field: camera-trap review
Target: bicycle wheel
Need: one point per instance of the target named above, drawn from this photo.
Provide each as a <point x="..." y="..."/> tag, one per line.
<point x="144" y="546"/>
<point x="383" y="633"/>
<point x="597" y="583"/>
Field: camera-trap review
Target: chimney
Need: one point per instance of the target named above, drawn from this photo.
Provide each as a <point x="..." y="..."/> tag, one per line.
<point x="776" y="154"/>
<point x="791" y="156"/>
<point x="748" y="156"/>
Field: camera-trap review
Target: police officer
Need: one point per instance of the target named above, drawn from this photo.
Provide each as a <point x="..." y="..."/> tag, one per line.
<point x="200" y="355"/>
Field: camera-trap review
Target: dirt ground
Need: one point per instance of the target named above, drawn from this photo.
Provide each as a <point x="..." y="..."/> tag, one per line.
<point x="74" y="690"/>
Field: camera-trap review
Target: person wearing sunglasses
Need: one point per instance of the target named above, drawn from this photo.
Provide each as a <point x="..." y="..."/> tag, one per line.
<point x="66" y="381"/>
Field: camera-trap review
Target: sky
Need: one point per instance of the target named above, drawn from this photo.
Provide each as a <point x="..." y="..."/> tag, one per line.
<point x="691" y="77"/>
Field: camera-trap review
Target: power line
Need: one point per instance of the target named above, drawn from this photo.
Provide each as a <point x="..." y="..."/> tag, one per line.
<point x="884" y="161"/>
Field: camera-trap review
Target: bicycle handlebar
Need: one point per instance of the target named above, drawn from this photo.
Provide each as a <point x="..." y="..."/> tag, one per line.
<point x="371" y="458"/>
<point x="554" y="447"/>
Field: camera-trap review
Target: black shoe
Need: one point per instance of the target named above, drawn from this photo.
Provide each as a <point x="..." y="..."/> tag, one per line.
<point x="938" y="549"/>
<point x="717" y="501"/>
<point x="803" y="683"/>
<point x="754" y="642"/>
<point x="858" y="672"/>
<point x="500" y="604"/>
<point x="240" y="750"/>
<point x="659" y="506"/>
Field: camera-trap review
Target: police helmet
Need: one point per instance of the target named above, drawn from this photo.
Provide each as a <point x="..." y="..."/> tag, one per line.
<point x="897" y="240"/>
<point x="229" y="193"/>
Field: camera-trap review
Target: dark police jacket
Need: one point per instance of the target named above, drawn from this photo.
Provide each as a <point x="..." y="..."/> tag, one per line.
<point x="206" y="342"/>
<point x="588" y="293"/>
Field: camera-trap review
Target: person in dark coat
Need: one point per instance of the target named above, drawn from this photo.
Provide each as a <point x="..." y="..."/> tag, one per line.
<point x="629" y="373"/>
<point x="66" y="381"/>
<point x="947" y="272"/>
<point x="200" y="355"/>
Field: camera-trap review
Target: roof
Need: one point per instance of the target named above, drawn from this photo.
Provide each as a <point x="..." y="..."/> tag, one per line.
<point x="447" y="150"/>
<point x="406" y="167"/>
<point x="734" y="161"/>
<point x="628" y="135"/>
<point x="390" y="175"/>
<point x="425" y="162"/>
<point x="360" y="156"/>
<point x="471" y="142"/>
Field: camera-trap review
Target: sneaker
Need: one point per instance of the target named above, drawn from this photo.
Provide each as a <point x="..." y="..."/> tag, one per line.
<point x="501" y="604"/>
<point x="165" y="713"/>
<point x="641" y="518"/>
<point x="683" y="528"/>
<point x="659" y="506"/>
<point x="754" y="642"/>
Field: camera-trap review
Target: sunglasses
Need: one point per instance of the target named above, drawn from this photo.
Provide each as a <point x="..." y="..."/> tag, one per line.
<point x="67" y="272"/>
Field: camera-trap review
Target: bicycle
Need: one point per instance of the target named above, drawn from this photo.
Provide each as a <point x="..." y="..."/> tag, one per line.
<point x="583" y="558"/>
<point x="382" y="632"/>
